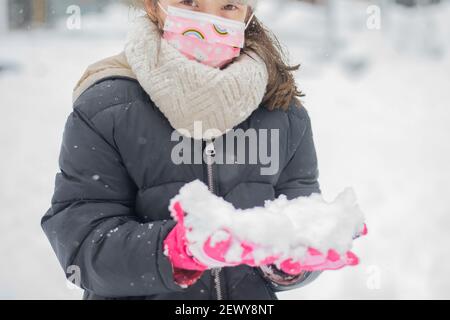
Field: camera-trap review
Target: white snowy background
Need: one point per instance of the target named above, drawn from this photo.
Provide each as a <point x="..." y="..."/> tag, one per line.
<point x="379" y="104"/>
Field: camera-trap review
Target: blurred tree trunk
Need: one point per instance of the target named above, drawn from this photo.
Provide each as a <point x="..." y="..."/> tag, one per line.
<point x="413" y="3"/>
<point x="331" y="27"/>
<point x="4" y="25"/>
<point x="39" y="16"/>
<point x="385" y="6"/>
<point x="314" y="1"/>
<point x="19" y="12"/>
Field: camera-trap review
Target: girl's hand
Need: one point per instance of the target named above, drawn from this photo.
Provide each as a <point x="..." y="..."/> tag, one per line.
<point x="314" y="260"/>
<point x="186" y="269"/>
<point x="215" y="252"/>
<point x="219" y="252"/>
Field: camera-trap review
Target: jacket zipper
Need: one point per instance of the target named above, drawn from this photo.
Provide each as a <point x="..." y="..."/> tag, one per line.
<point x="210" y="154"/>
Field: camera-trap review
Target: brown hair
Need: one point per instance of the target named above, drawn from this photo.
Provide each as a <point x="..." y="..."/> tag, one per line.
<point x="281" y="87"/>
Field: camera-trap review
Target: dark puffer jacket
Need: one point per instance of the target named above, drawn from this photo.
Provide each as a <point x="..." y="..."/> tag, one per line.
<point x="109" y="211"/>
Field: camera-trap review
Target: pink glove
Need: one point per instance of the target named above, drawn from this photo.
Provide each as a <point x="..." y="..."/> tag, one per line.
<point x="218" y="251"/>
<point x="213" y="254"/>
<point x="210" y="256"/>
<point x="186" y="269"/>
<point x="315" y="260"/>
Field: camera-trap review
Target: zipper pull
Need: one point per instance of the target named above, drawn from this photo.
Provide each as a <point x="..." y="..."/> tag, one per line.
<point x="210" y="149"/>
<point x="210" y="152"/>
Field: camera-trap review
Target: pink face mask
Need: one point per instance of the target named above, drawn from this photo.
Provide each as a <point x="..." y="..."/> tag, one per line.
<point x="209" y="39"/>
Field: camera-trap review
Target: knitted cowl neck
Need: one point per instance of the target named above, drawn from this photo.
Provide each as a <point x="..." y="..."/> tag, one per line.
<point x="191" y="94"/>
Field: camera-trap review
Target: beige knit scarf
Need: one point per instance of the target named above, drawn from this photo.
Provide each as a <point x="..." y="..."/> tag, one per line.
<point x="189" y="93"/>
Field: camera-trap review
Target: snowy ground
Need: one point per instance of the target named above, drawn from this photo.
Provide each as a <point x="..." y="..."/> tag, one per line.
<point x="378" y="101"/>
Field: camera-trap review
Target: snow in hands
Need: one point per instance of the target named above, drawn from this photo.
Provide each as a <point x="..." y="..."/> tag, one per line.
<point x="287" y="229"/>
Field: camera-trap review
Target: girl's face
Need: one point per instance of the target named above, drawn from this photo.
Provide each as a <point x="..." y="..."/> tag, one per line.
<point x="229" y="9"/>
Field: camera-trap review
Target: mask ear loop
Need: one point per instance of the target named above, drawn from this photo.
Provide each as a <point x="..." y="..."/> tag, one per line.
<point x="249" y="20"/>
<point x="162" y="8"/>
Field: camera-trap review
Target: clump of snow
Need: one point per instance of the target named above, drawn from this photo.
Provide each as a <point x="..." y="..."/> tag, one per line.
<point x="282" y="227"/>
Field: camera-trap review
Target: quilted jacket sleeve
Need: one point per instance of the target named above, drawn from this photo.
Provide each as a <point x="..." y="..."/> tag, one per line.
<point x="298" y="178"/>
<point x="91" y="224"/>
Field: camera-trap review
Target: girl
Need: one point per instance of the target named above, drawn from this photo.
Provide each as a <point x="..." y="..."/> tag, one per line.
<point x="198" y="71"/>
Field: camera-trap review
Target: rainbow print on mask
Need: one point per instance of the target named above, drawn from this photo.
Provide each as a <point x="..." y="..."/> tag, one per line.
<point x="221" y="31"/>
<point x="194" y="33"/>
